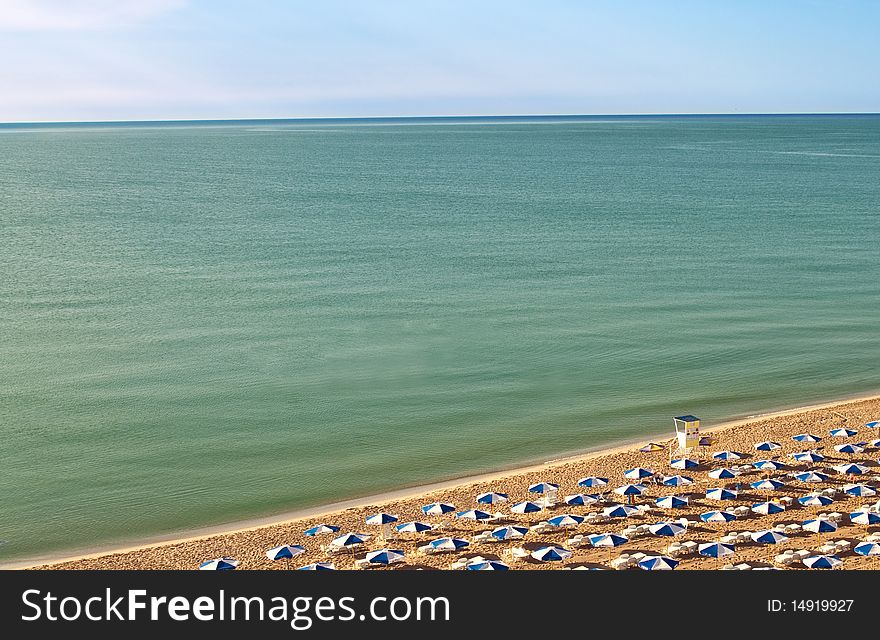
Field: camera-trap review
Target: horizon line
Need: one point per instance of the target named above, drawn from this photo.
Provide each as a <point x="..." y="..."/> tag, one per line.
<point x="439" y="117"/>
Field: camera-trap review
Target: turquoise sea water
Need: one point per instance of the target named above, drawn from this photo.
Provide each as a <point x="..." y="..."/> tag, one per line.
<point x="203" y="323"/>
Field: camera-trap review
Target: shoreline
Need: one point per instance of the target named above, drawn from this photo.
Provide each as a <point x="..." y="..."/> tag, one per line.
<point x="407" y="493"/>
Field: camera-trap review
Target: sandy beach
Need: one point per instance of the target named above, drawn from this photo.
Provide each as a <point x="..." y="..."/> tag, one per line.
<point x="249" y="543"/>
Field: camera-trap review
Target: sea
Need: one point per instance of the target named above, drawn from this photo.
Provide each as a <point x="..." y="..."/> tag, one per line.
<point x="206" y="322"/>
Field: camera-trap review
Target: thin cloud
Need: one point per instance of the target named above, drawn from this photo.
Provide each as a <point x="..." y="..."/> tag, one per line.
<point x="80" y="15"/>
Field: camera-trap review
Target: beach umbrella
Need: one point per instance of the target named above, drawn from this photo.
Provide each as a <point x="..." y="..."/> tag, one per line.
<point x="866" y="518"/>
<point x="811" y="476"/>
<point x="321" y="529"/>
<point x="448" y="544"/>
<point x="768" y="465"/>
<point x="873" y="424"/>
<point x="727" y="455"/>
<point x="383" y="520"/>
<point x="509" y="532"/>
<point x="607" y="540"/>
<point x="848" y="448"/>
<point x="219" y="564"/>
<point x="593" y="481"/>
<point x="437" y="509"/>
<point x="487" y="565"/>
<point x="565" y="520"/>
<point x="684" y="463"/>
<point x="349" y="540"/>
<point x="526" y="507"/>
<point x="652" y="447"/>
<point x="492" y="498"/>
<point x="473" y="514"/>
<point x="843" y="433"/>
<point x="875" y="443"/>
<point x="551" y="554"/>
<point x="822" y="562"/>
<point x="619" y="511"/>
<point x="819" y="525"/>
<point x="723" y="473"/>
<point x="581" y="499"/>
<point x="318" y="566"/>
<point x="658" y="563"/>
<point x="851" y="469"/>
<point x="706" y="441"/>
<point x="716" y="549"/>
<point x="767" y="445"/>
<point x="868" y="549"/>
<point x="768" y="536"/>
<point x="677" y="481"/>
<point x="637" y="473"/>
<point x="815" y="500"/>
<point x="859" y="490"/>
<point x="808" y="456"/>
<point x="721" y="494"/>
<point x="667" y="529"/>
<point x="717" y="516"/>
<point x="385" y="556"/>
<point x="544" y="487"/>
<point x="413" y="527"/>
<point x="767" y="485"/>
<point x="285" y="552"/>
<point x="631" y="490"/>
<point x="806" y="437"/>
<point x="768" y="508"/>
<point x="671" y="502"/>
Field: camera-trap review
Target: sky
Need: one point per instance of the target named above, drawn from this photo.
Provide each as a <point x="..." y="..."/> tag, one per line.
<point x="81" y="60"/>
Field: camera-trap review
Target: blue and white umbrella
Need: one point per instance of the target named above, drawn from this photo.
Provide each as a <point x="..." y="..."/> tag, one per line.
<point x="509" y="532"/>
<point x="381" y="519"/>
<point x="473" y="514"/>
<point x="815" y="500"/>
<point x="767" y="445"/>
<point x="671" y="502"/>
<point x="285" y="552"/>
<point x="717" y="516"/>
<point x="874" y="443"/>
<point x="492" y="498"/>
<point x="437" y="509"/>
<point x="716" y="549"/>
<point x="808" y="456"/>
<point x="219" y="564"/>
<point x="768" y="536"/>
<point x="768" y="465"/>
<point x="867" y="549"/>
<point x="767" y="485"/>
<point x="866" y="518"/>
<point x="607" y="540"/>
<point x="723" y="473"/>
<point x="684" y="463"/>
<point x="565" y="520"/>
<point x="318" y="566"/>
<point x="593" y="481"/>
<point x="631" y="490"/>
<point x="859" y="490"/>
<point x="551" y="554"/>
<point x="819" y="525"/>
<point x="658" y="563"/>
<point x="843" y="433"/>
<point x="806" y="437"/>
<point x="667" y="529"/>
<point x="721" y="494"/>
<point x="619" y="511"/>
<point x="581" y="499"/>
<point x="321" y="529"/>
<point x="848" y="448"/>
<point x="873" y="424"/>
<point x="349" y="540"/>
<point x="727" y="455"/>
<point x="637" y="473"/>
<point x="487" y="565"/>
<point x="385" y="556"/>
<point x="822" y="562"/>
<point x="768" y="508"/>
<point x="413" y="527"/>
<point x="851" y="469"/>
<point x="677" y="481"/>
<point x="526" y="507"/>
<point x="811" y="476"/>
<point x="544" y="487"/>
<point x="448" y="544"/>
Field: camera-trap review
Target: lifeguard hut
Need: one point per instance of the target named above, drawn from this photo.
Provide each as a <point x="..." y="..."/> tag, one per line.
<point x="687" y="434"/>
